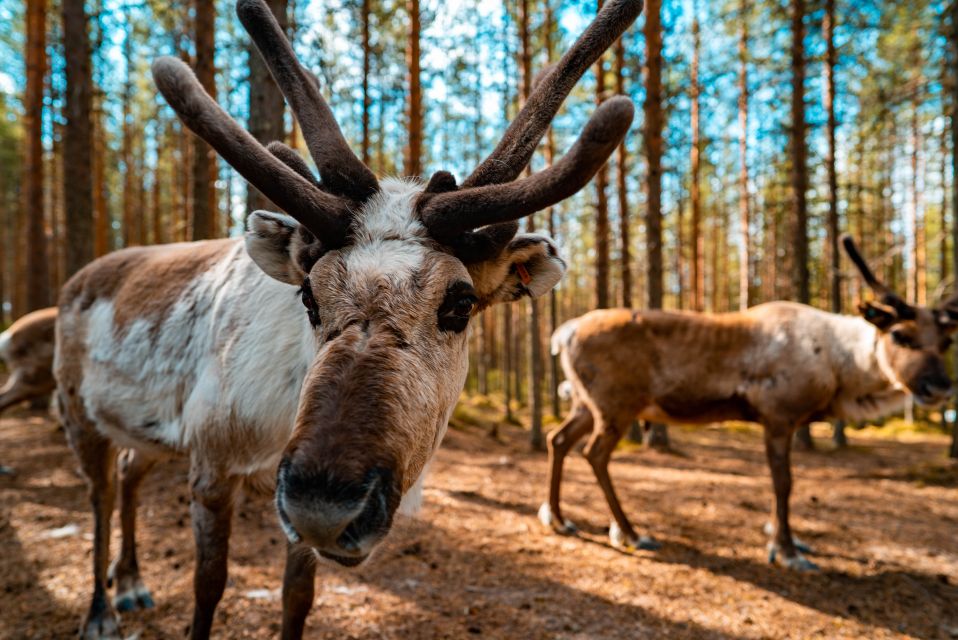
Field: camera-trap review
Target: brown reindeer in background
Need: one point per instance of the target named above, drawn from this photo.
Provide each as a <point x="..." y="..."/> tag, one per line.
<point x="26" y="349"/>
<point x="329" y="349"/>
<point x="779" y="364"/>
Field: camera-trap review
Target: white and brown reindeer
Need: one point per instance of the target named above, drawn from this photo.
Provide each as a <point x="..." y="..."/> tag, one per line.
<point x="328" y="350"/>
<point x="780" y="364"/>
<point x="26" y="349"/>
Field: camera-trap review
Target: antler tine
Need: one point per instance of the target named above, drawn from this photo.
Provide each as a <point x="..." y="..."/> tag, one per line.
<point x="451" y="213"/>
<point x="327" y="216"/>
<point x="341" y="171"/>
<point x="852" y="250"/>
<point x="293" y="160"/>
<point x="514" y="151"/>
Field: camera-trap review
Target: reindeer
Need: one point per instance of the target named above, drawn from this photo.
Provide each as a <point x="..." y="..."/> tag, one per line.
<point x="779" y="364"/>
<point x="328" y="350"/>
<point x="26" y="349"/>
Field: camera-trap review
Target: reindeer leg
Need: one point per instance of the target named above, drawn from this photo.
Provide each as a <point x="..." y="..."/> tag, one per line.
<point x="298" y="590"/>
<point x="211" y="510"/>
<point x="131" y="594"/>
<point x="778" y="444"/>
<point x="598" y="451"/>
<point x="97" y="458"/>
<point x="577" y="424"/>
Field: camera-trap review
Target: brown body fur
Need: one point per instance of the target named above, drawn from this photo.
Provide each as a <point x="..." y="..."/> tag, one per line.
<point x="778" y="364"/>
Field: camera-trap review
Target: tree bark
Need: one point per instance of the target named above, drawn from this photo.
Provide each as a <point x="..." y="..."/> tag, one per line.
<point x="601" y="205"/>
<point x="77" y="137"/>
<point x="954" y="174"/>
<point x="697" y="240"/>
<point x="625" y="258"/>
<point x="800" y="274"/>
<point x="130" y="217"/>
<point x="743" y="197"/>
<point x="367" y="99"/>
<point x="37" y="280"/>
<point x="653" y="144"/>
<point x="413" y="161"/>
<point x="266" y="106"/>
<point x="204" y="159"/>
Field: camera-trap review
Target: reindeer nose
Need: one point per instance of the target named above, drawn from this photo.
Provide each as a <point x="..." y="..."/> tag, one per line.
<point x="341" y="519"/>
<point x="935" y="386"/>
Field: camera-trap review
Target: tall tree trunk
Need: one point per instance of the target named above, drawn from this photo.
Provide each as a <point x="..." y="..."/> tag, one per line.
<point x="548" y="26"/>
<point x="37" y="280"/>
<point x="413" y="162"/>
<point x="266" y="106"/>
<point x="835" y="278"/>
<point x="130" y="214"/>
<point x="653" y="147"/>
<point x="743" y="197"/>
<point x="367" y="99"/>
<point x="800" y="274"/>
<point x="601" y="205"/>
<point x="653" y="143"/>
<point x="204" y="159"/>
<point x="954" y="175"/>
<point x="77" y="143"/>
<point x="799" y="152"/>
<point x="697" y="240"/>
<point x="625" y="259"/>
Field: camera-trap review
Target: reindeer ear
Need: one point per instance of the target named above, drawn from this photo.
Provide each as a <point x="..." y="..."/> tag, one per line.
<point x="529" y="266"/>
<point x="880" y="315"/>
<point x="280" y="246"/>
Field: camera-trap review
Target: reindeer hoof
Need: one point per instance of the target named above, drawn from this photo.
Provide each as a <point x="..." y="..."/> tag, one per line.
<point x="133" y="599"/>
<point x="798" y="562"/>
<point x="7" y="471"/>
<point x="101" y="627"/>
<point x="800" y="545"/>
<point x="621" y="541"/>
<point x="565" y="527"/>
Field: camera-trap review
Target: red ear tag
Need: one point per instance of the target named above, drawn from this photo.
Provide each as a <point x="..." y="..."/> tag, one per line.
<point x="523" y="273"/>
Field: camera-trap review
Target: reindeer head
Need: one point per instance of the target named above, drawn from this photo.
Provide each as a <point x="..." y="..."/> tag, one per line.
<point x="390" y="273"/>
<point x="912" y="340"/>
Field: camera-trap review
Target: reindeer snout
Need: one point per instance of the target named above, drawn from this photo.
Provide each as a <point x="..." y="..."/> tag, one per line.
<point x="342" y="519"/>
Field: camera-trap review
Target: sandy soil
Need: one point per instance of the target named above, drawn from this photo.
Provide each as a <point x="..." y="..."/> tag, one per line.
<point x="882" y="517"/>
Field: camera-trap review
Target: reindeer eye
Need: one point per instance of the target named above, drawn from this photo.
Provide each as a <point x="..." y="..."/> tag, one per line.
<point x="901" y="338"/>
<point x="457" y="308"/>
<point x="312" y="309"/>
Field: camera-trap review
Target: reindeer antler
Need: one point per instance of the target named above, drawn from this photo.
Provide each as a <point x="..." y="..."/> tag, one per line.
<point x="326" y="215"/>
<point x="342" y="172"/>
<point x="885" y="295"/>
<point x="486" y="198"/>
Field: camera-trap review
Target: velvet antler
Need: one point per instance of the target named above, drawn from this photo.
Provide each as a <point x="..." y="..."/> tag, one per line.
<point x="448" y="214"/>
<point x="326" y="215"/>
<point x="453" y="214"/>
<point x="885" y="295"/>
<point x="341" y="171"/>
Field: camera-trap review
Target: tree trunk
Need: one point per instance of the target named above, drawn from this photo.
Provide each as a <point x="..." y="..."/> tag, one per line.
<point x="548" y="26"/>
<point x="367" y="99"/>
<point x="413" y="162"/>
<point x="601" y="205"/>
<point x="625" y="259"/>
<point x="204" y="159"/>
<point x="743" y="197"/>
<point x="954" y="175"/>
<point x="130" y="214"/>
<point x="266" y="106"/>
<point x="37" y="280"/>
<point x="653" y="144"/>
<point x="77" y="142"/>
<point x="697" y="240"/>
<point x="800" y="274"/>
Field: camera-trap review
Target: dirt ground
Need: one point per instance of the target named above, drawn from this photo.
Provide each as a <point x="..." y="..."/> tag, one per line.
<point x="881" y="516"/>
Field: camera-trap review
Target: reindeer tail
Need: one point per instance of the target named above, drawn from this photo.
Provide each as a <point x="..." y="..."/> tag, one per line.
<point x="563" y="335"/>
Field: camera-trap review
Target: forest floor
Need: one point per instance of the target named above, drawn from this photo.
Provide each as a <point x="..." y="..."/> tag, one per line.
<point x="881" y="516"/>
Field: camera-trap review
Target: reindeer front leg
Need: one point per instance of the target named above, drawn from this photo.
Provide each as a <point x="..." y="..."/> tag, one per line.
<point x="298" y="590"/>
<point x="211" y="510"/>
<point x="778" y="444"/>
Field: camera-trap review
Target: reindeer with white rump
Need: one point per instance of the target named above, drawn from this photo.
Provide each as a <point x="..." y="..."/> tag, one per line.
<point x="329" y="350"/>
<point x="779" y="364"/>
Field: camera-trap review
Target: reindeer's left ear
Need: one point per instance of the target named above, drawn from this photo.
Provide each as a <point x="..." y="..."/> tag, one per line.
<point x="529" y="266"/>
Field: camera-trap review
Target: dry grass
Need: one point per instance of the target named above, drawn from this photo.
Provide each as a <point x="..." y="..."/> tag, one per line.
<point x="882" y="516"/>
